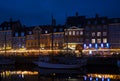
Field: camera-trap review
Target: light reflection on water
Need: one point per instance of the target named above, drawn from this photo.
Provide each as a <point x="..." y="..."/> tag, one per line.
<point x="55" y="75"/>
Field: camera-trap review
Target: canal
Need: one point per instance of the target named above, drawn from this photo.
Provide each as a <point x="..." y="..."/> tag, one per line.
<point x="28" y="72"/>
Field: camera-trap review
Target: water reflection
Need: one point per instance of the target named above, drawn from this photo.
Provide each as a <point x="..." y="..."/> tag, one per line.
<point x="41" y="74"/>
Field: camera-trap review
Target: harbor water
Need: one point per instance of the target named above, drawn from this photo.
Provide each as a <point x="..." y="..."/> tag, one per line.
<point x="21" y="72"/>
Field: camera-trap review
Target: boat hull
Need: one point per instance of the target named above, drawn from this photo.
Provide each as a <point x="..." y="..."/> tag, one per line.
<point x="118" y="63"/>
<point x="57" y="66"/>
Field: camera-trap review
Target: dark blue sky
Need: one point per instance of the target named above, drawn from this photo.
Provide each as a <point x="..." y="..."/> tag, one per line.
<point x="38" y="12"/>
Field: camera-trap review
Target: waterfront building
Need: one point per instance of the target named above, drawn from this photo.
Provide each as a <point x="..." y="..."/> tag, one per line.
<point x="19" y="40"/>
<point x="114" y="35"/>
<point x="74" y="38"/>
<point x="6" y="33"/>
<point x="96" y="39"/>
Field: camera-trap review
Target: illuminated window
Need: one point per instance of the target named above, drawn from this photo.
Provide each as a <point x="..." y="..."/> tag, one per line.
<point x="84" y="46"/>
<point x="104" y="40"/>
<point x="98" y="40"/>
<point x="93" y="40"/>
<point x="90" y="45"/>
<point x="96" y="46"/>
<point x="70" y="32"/>
<point x="93" y="34"/>
<point x="104" y="33"/>
<point x="65" y="33"/>
<point x="46" y="31"/>
<point x="77" y="33"/>
<point x="102" y="46"/>
<point x="73" y="32"/>
<point x="81" y="32"/>
<point x="98" y="33"/>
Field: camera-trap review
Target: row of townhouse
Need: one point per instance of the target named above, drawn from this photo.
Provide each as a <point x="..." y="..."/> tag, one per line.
<point x="89" y="35"/>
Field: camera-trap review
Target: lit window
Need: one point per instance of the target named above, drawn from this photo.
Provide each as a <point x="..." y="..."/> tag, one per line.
<point x="98" y="33"/>
<point x="104" y="33"/>
<point x="98" y="40"/>
<point x="90" y="45"/>
<point x="73" y="32"/>
<point x="104" y="40"/>
<point x="77" y="33"/>
<point x="93" y="40"/>
<point x="84" y="46"/>
<point x="70" y="33"/>
<point x="46" y="31"/>
<point x="66" y="33"/>
<point x="93" y="34"/>
<point x="107" y="45"/>
<point x="96" y="46"/>
<point x="102" y="46"/>
<point x="81" y="32"/>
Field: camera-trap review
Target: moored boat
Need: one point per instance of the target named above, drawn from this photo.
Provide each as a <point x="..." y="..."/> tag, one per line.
<point x="118" y="63"/>
<point x="6" y="61"/>
<point x="60" y="62"/>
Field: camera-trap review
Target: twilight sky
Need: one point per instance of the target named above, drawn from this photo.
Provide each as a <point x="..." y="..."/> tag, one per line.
<point x="39" y="12"/>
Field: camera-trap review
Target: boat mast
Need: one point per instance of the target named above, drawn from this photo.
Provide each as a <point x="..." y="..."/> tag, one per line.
<point x="5" y="43"/>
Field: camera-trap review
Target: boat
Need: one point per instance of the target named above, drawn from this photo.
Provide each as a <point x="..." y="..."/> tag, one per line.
<point x="118" y="63"/>
<point x="56" y="62"/>
<point x="6" y="61"/>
